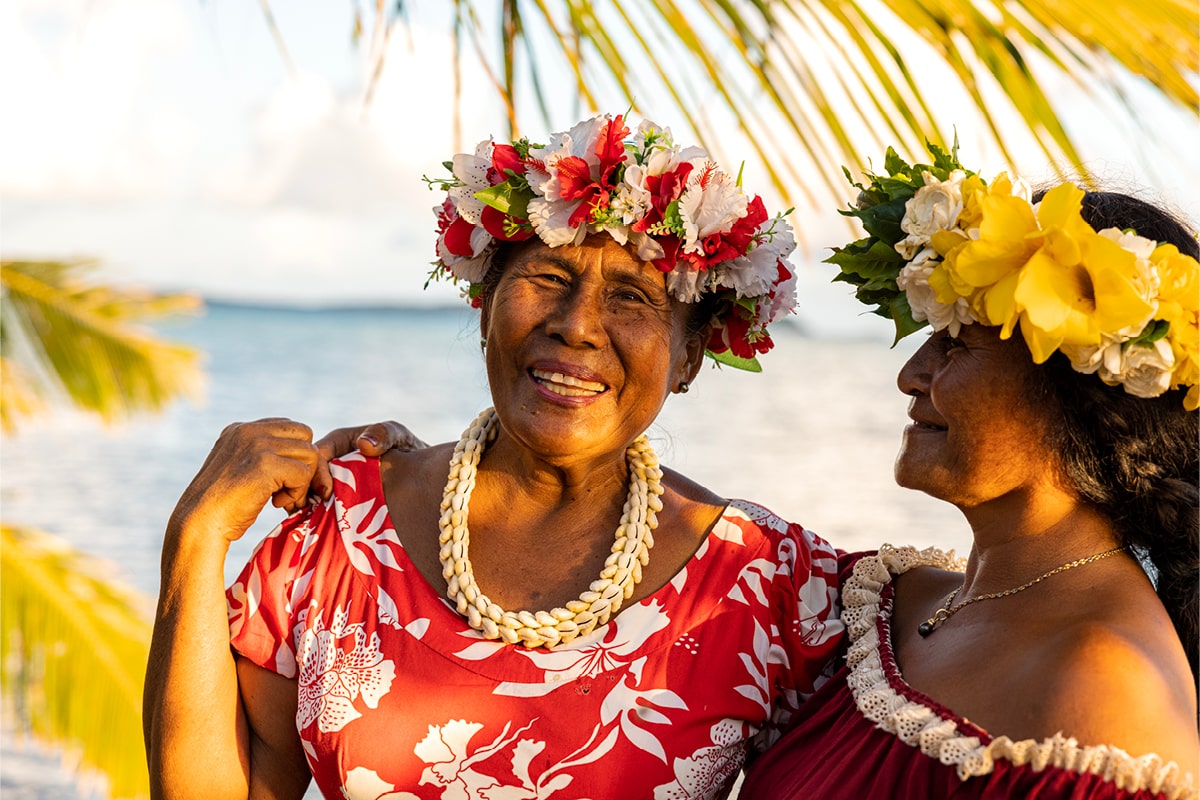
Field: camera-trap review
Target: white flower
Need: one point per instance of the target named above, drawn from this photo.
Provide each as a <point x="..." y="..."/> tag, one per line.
<point x="688" y="284"/>
<point x="935" y="207"/>
<point x="711" y="203"/>
<point x="1146" y="280"/>
<point x="471" y="172"/>
<point x="1145" y="371"/>
<point x="913" y="280"/>
<point x="631" y="200"/>
<point x="580" y="141"/>
<point x="755" y="273"/>
<point x="551" y="221"/>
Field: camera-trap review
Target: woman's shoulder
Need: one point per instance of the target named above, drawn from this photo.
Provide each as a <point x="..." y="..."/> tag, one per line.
<point x="1121" y="681"/>
<point x="1093" y="686"/>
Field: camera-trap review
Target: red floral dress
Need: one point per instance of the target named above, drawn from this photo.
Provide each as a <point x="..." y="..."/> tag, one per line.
<point x="868" y="734"/>
<point x="399" y="698"/>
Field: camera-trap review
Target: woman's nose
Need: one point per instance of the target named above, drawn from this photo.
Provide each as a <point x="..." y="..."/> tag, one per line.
<point x="577" y="318"/>
<point x="913" y="378"/>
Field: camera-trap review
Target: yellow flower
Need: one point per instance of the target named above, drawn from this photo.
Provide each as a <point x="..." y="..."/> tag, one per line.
<point x="974" y="188"/>
<point x="1179" y="304"/>
<point x="1051" y="272"/>
<point x="1007" y="232"/>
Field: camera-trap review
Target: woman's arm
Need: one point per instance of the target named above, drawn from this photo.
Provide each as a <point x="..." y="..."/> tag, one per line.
<point x="200" y="739"/>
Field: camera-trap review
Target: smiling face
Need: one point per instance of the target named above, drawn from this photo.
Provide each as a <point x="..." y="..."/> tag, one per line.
<point x="978" y="432"/>
<point x="584" y="344"/>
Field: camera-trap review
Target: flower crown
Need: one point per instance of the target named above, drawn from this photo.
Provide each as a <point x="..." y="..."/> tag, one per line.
<point x="947" y="249"/>
<point x="681" y="212"/>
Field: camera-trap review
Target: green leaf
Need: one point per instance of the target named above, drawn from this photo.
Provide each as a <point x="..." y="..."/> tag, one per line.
<point x="506" y="198"/>
<point x="901" y="314"/>
<point x="1155" y="329"/>
<point x="730" y="360"/>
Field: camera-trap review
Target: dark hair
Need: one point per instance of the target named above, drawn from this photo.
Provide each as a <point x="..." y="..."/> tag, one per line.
<point x="699" y="314"/>
<point x="1137" y="458"/>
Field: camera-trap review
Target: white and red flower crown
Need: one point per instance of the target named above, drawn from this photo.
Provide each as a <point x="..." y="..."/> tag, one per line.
<point x="675" y="205"/>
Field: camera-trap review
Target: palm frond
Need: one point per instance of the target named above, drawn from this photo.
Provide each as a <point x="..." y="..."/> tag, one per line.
<point x="73" y="655"/>
<point x="807" y="80"/>
<point x="59" y="333"/>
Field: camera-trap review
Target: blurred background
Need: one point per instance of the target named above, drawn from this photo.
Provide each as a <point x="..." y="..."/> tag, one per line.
<point x="213" y="212"/>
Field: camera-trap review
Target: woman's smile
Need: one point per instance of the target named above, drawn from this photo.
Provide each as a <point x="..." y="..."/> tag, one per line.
<point x="564" y="384"/>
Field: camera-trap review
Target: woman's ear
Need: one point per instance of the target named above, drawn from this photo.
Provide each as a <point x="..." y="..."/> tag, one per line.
<point x="693" y="357"/>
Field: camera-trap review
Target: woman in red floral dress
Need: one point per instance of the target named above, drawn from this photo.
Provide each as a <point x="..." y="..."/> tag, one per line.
<point x="605" y="264"/>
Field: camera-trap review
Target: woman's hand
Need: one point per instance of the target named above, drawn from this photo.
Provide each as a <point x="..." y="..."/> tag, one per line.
<point x="200" y="740"/>
<point x="251" y="462"/>
<point x="370" y="440"/>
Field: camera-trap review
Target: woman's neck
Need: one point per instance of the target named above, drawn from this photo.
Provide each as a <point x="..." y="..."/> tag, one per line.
<point x="1018" y="538"/>
<point x="531" y="478"/>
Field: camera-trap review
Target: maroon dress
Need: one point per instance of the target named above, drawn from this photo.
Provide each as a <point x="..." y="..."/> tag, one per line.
<point x="868" y="734"/>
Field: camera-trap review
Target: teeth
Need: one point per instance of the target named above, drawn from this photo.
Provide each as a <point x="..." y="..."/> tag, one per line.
<point x="567" y="385"/>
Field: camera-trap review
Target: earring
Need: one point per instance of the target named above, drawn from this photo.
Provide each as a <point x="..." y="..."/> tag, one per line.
<point x="683" y="387"/>
<point x="482" y="342"/>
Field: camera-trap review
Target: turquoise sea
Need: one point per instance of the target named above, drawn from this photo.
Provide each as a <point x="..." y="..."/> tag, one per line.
<point x="812" y="437"/>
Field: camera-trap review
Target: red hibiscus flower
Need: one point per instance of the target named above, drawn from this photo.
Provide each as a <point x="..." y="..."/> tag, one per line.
<point x="734" y="334"/>
<point x="664" y="189"/>
<point x="575" y="178"/>
<point x="505" y="163"/>
<point x="455" y="231"/>
<point x="722" y="246"/>
<point x="505" y="227"/>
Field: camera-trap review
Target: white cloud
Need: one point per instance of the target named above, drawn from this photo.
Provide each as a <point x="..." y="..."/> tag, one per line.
<point x="79" y="121"/>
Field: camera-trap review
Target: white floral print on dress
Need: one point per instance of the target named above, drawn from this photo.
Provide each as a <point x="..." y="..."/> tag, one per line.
<point x="331" y="679"/>
<point x="708" y="770"/>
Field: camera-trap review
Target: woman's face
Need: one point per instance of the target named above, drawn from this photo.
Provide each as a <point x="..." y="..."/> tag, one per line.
<point x="584" y="344"/>
<point x="977" y="433"/>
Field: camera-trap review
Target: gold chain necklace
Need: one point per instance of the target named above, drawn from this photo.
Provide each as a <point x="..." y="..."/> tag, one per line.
<point x="622" y="569"/>
<point x="949" y="609"/>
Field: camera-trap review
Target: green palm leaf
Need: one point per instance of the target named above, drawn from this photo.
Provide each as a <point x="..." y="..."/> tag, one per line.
<point x="74" y="655"/>
<point x="62" y="335"/>
<point x="806" y="80"/>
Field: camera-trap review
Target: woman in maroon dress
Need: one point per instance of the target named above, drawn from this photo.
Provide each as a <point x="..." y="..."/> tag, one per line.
<point x="1049" y="664"/>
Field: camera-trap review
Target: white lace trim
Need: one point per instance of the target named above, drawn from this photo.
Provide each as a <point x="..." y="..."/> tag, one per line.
<point x="920" y="726"/>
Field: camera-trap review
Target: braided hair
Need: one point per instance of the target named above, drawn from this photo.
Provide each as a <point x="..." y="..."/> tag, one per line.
<point x="1137" y="458"/>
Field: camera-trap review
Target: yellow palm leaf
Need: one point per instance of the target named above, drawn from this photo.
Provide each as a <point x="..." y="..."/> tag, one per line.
<point x="806" y="80"/>
<point x="62" y="335"/>
<point x="74" y="655"/>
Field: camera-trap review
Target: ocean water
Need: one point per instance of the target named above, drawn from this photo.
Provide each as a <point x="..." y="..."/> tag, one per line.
<point x="812" y="437"/>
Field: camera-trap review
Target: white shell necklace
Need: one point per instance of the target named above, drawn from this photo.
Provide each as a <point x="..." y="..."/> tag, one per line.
<point x="622" y="569"/>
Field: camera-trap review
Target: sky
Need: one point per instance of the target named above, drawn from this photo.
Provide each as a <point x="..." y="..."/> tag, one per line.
<point x="169" y="140"/>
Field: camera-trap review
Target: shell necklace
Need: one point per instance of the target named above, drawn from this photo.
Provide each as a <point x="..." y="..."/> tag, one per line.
<point x="950" y="609"/>
<point x="622" y="569"/>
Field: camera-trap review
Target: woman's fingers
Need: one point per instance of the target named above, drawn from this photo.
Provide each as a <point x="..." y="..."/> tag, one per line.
<point x="251" y="463"/>
<point x="371" y="440"/>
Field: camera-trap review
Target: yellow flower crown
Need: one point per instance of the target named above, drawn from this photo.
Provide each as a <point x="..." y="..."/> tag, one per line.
<point x="945" y="248"/>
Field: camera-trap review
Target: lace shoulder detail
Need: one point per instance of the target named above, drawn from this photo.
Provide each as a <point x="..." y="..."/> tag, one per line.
<point x="940" y="738"/>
